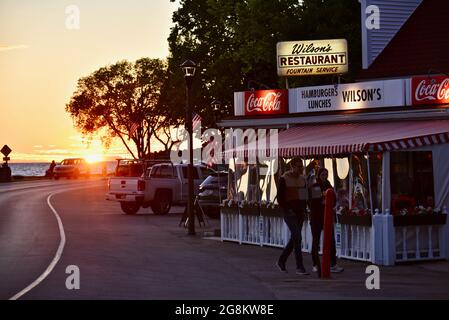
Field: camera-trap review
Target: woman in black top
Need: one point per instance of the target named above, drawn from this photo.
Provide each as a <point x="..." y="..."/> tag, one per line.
<point x="317" y="202"/>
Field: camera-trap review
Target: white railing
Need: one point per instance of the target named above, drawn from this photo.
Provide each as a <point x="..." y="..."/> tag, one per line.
<point x="250" y="229"/>
<point x="275" y="232"/>
<point x="306" y="236"/>
<point x="381" y="242"/>
<point x="417" y="243"/>
<point x="270" y="231"/>
<point x="355" y="242"/>
<point x="230" y="226"/>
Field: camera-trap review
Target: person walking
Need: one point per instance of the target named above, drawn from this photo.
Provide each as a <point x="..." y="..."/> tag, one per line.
<point x="317" y="204"/>
<point x="292" y="198"/>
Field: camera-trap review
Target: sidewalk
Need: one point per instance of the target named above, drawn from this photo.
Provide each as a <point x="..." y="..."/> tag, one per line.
<point x="426" y="280"/>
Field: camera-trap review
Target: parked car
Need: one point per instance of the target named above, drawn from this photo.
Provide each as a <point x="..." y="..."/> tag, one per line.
<point x="71" y="168"/>
<point x="159" y="187"/>
<point x="212" y="191"/>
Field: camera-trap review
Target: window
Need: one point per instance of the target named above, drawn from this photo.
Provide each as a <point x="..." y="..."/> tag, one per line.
<point x="135" y="170"/>
<point x="269" y="173"/>
<point x="340" y="173"/>
<point x="166" y="172"/>
<point x="350" y="180"/>
<point x="205" y="172"/>
<point x="411" y="177"/>
<point x="68" y="162"/>
<point x="360" y="189"/>
<point x="129" y="168"/>
<point x="242" y="174"/>
<point x="376" y="179"/>
<point x="155" y="172"/>
<point x="185" y="173"/>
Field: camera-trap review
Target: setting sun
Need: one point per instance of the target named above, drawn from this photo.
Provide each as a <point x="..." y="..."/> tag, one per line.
<point x="92" y="158"/>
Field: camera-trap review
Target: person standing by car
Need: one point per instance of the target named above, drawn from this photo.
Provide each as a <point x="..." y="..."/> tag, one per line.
<point x="49" y="172"/>
<point x="317" y="202"/>
<point x="292" y="197"/>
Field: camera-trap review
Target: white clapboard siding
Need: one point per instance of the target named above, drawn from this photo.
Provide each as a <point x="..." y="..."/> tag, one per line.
<point x="393" y="14"/>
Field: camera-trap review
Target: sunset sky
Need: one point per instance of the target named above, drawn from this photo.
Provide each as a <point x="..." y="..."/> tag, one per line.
<point x="41" y="61"/>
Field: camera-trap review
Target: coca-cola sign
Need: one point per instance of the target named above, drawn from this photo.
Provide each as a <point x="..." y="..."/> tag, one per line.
<point x="430" y="90"/>
<point x="266" y="102"/>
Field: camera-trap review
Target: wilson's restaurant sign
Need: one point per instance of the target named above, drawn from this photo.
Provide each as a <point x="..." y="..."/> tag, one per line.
<point x="305" y="58"/>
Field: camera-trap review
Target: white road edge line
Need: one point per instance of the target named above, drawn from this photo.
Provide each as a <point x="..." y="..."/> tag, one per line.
<point x="58" y="254"/>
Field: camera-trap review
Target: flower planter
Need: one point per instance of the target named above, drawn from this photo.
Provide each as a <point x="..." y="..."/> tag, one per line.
<point x="271" y="212"/>
<point x="229" y="210"/>
<point x="419" y="220"/>
<point x="365" y="220"/>
<point x="249" y="211"/>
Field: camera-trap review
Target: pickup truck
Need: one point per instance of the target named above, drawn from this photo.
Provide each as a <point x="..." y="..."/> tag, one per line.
<point x="159" y="187"/>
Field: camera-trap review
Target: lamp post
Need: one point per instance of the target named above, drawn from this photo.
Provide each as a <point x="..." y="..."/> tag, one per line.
<point x="189" y="71"/>
<point x="216" y="105"/>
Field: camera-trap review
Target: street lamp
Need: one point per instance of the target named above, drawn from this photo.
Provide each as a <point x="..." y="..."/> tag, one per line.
<point x="216" y="105"/>
<point x="189" y="68"/>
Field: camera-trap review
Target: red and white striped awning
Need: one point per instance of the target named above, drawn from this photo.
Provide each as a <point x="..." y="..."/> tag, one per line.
<point x="334" y="139"/>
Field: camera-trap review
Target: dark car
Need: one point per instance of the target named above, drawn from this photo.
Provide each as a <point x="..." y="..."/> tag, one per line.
<point x="71" y="168"/>
<point x="212" y="191"/>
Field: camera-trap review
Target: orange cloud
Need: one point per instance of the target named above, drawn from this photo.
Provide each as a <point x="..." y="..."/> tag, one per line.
<point x="6" y="48"/>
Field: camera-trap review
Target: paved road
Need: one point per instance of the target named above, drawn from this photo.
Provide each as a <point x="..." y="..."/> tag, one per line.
<point x="150" y="257"/>
<point x="29" y="233"/>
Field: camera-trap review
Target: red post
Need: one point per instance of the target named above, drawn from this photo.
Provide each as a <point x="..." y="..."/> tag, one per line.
<point x="330" y="200"/>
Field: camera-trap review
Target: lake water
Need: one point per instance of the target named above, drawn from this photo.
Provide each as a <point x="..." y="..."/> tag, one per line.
<point x="38" y="169"/>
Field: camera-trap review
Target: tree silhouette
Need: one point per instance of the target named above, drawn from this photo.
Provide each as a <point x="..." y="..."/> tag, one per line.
<point x="234" y="42"/>
<point x="116" y="98"/>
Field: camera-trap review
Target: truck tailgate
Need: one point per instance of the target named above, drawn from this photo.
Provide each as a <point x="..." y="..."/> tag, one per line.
<point x="123" y="185"/>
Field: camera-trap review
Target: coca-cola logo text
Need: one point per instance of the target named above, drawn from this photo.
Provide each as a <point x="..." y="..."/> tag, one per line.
<point x="266" y="102"/>
<point x="430" y="90"/>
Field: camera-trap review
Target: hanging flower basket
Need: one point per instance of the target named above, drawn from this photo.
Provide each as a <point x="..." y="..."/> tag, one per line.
<point x="228" y="210"/>
<point x="270" y="209"/>
<point x="271" y="212"/>
<point x="365" y="220"/>
<point x="249" y="208"/>
<point x="229" y="207"/>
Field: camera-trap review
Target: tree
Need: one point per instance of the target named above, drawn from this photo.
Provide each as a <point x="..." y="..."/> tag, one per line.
<point x="116" y="99"/>
<point x="234" y="44"/>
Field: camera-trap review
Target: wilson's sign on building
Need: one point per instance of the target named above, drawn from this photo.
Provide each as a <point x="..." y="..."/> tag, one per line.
<point x="305" y="58"/>
<point x="350" y="96"/>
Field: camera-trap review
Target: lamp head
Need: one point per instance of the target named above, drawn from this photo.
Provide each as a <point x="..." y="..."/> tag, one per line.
<point x="216" y="104"/>
<point x="189" y="68"/>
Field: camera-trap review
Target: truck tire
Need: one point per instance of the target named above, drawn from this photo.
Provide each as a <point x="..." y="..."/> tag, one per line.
<point x="162" y="203"/>
<point x="130" y="208"/>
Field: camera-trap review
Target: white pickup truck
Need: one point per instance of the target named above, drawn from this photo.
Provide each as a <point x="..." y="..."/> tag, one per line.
<point x="159" y="186"/>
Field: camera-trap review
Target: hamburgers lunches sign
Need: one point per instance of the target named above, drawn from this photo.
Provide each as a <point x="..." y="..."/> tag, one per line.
<point x="315" y="57"/>
<point x="350" y="96"/>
